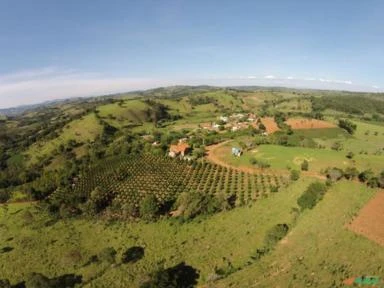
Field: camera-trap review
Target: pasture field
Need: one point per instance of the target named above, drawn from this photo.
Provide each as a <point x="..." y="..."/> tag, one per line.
<point x="319" y="251"/>
<point x="64" y="247"/>
<point x="367" y="139"/>
<point x="280" y="158"/>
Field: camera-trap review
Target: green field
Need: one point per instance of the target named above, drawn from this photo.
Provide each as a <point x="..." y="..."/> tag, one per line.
<point x="280" y="158"/>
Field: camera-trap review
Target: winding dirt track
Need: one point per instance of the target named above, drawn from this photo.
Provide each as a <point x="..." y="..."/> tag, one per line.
<point x="212" y="157"/>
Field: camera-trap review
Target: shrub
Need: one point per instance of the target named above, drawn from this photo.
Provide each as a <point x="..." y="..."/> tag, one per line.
<point x="351" y="173"/>
<point x="195" y="203"/>
<point x="149" y="208"/>
<point x="373" y="182"/>
<point x="179" y="276"/>
<point x="133" y="254"/>
<point x="365" y="175"/>
<point x="350" y="155"/>
<point x="295" y="175"/>
<point x="313" y="194"/>
<point x="275" y="234"/>
<point x="347" y="125"/>
<point x="334" y="174"/>
<point x="304" y="165"/>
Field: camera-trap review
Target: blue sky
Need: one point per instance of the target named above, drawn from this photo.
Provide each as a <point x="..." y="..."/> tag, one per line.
<point x="58" y="49"/>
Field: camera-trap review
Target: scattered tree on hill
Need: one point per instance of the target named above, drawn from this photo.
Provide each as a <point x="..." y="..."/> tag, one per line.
<point x="304" y="165"/>
<point x="365" y="175"/>
<point x="351" y="173"/>
<point x="132" y="254"/>
<point x="193" y="204"/>
<point x="149" y="208"/>
<point x="338" y="146"/>
<point x="179" y="276"/>
<point x="347" y="125"/>
<point x="295" y="175"/>
<point x="334" y="174"/>
<point x="350" y="155"/>
<point x="275" y="234"/>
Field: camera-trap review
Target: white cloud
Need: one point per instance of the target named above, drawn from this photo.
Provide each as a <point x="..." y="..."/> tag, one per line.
<point x="34" y="86"/>
<point x="27" y="87"/>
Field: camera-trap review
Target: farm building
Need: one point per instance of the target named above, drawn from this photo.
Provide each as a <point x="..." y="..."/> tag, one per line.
<point x="180" y="149"/>
<point x="236" y="151"/>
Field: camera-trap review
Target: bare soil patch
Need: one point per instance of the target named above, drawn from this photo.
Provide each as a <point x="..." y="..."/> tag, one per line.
<point x="370" y="221"/>
<point x="301" y="123"/>
<point x="270" y="124"/>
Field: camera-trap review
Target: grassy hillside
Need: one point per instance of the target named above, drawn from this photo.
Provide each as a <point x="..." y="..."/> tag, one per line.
<point x="82" y="130"/>
<point x="319" y="251"/>
<point x="67" y="245"/>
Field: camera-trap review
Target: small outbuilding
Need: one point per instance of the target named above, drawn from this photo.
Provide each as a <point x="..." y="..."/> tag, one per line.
<point x="236" y="151"/>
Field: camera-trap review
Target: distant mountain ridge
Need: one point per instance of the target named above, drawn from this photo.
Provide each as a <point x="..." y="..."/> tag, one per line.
<point x="171" y="91"/>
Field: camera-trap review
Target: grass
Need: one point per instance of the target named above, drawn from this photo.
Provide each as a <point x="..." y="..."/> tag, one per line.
<point x="319" y="251"/>
<point x="63" y="247"/>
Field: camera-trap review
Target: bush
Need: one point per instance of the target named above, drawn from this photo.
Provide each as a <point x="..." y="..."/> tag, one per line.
<point x="334" y="174"/>
<point x="312" y="195"/>
<point x="179" y="276"/>
<point x="347" y="125"/>
<point x="373" y="182"/>
<point x="304" y="165"/>
<point x="275" y="234"/>
<point x="195" y="203"/>
<point x="149" y="208"/>
<point x="365" y="175"/>
<point x="351" y="173"/>
<point x="295" y="175"/>
<point x="133" y="254"/>
<point x="350" y="155"/>
<point x="259" y="163"/>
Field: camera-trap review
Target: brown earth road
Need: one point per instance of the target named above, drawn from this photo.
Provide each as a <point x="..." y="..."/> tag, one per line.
<point x="212" y="157"/>
<point x="18" y="202"/>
